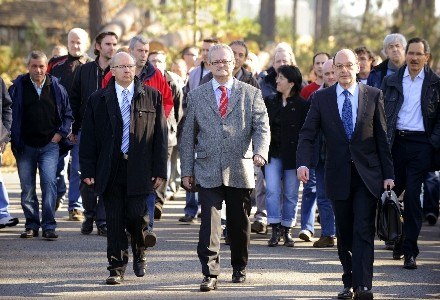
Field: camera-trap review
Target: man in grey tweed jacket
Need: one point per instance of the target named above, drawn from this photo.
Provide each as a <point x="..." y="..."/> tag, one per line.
<point x="226" y="131"/>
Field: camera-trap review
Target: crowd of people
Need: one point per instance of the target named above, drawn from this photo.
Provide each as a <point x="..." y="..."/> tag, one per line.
<point x="130" y="133"/>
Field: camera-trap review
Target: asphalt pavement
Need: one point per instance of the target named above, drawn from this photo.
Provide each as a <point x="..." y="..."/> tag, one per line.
<point x="74" y="266"/>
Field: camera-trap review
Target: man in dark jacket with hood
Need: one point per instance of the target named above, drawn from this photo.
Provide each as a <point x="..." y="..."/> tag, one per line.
<point x="41" y="118"/>
<point x="412" y="96"/>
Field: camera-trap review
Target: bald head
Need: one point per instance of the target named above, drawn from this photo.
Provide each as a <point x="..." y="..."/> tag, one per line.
<point x="346" y="67"/>
<point x="328" y="73"/>
<point x="123" y="68"/>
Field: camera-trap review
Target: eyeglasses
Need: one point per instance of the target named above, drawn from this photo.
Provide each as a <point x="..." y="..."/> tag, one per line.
<point x="348" y="66"/>
<point x="218" y="62"/>
<point x="124" y="66"/>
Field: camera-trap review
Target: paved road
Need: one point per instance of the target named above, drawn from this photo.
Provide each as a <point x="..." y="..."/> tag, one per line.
<point x="74" y="267"/>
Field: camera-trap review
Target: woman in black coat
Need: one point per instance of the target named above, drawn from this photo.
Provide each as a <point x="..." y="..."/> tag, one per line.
<point x="287" y="112"/>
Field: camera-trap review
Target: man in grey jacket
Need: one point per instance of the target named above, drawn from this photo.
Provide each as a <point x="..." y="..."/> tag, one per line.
<point x="226" y="130"/>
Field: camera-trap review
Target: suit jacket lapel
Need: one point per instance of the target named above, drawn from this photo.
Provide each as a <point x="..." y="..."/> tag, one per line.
<point x="235" y="96"/>
<point x="111" y="101"/>
<point x="212" y="101"/>
<point x="362" y="103"/>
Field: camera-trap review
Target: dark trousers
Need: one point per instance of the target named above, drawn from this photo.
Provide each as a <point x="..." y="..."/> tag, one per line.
<point x="93" y="205"/>
<point x="123" y="213"/>
<point x="412" y="159"/>
<point x="237" y="222"/>
<point x="355" y="230"/>
<point x="431" y="194"/>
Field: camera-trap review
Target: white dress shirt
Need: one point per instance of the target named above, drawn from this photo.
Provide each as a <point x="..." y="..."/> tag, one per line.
<point x="218" y="92"/>
<point x="410" y="114"/>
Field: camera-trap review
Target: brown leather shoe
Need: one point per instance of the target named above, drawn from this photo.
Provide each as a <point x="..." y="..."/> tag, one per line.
<point x="324" y="241"/>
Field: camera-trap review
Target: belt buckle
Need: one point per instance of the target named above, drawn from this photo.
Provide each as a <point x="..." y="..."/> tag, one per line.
<point x="125" y="156"/>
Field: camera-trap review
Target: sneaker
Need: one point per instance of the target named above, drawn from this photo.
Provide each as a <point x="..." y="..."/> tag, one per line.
<point x="76" y="215"/>
<point x="50" y="235"/>
<point x="187" y="219"/>
<point x="305" y="235"/>
<point x="87" y="226"/>
<point x="324" y="241"/>
<point x="8" y="222"/>
<point x="102" y="230"/>
<point x="29" y="233"/>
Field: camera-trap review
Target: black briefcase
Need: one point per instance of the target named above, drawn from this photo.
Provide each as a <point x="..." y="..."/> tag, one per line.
<point x="389" y="217"/>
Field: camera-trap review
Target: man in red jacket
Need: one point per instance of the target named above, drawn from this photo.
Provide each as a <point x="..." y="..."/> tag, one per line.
<point x="146" y="72"/>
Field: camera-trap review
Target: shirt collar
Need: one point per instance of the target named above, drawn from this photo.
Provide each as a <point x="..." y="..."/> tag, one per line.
<point x="228" y="84"/>
<point x="119" y="88"/>
<point x="421" y="74"/>
<point x="351" y="89"/>
<point x="35" y="85"/>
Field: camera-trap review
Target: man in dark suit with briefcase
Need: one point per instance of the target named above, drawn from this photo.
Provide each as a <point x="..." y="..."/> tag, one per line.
<point x="358" y="166"/>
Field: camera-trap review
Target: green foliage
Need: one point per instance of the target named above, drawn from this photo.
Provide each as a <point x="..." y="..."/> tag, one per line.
<point x="201" y="17"/>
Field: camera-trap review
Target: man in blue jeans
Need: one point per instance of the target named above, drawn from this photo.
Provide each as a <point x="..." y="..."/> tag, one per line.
<point x="41" y="117"/>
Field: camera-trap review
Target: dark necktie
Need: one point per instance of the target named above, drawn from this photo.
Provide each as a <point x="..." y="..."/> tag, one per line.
<point x="223" y="101"/>
<point x="125" y="112"/>
<point x="347" y="115"/>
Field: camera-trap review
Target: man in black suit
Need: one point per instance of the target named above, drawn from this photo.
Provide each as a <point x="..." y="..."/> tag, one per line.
<point x="123" y="153"/>
<point x="413" y="117"/>
<point x="358" y="166"/>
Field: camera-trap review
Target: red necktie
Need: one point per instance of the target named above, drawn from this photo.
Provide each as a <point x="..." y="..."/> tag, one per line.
<point x="223" y="101"/>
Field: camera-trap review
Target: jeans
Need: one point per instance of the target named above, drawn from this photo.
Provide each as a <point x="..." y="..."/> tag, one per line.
<point x="151" y="201"/>
<point x="61" y="180"/>
<point x="46" y="160"/>
<point x="260" y="197"/>
<point x="75" y="200"/>
<point x="192" y="204"/>
<point x="308" y="204"/>
<point x="4" y="200"/>
<point x="281" y="201"/>
<point x="325" y="206"/>
<point x="431" y="194"/>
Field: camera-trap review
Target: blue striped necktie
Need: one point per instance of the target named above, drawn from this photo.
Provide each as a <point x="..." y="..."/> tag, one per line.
<point x="347" y="115"/>
<point x="125" y="112"/>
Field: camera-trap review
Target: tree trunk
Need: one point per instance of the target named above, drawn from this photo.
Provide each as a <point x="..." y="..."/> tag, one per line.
<point x="322" y="19"/>
<point x="295" y="8"/>
<point x="267" y="21"/>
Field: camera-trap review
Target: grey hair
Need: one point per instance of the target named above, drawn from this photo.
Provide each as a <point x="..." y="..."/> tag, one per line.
<point x="83" y="35"/>
<point x="36" y="55"/>
<point x="394" y="37"/>
<point x="218" y="47"/>
<point x="139" y="38"/>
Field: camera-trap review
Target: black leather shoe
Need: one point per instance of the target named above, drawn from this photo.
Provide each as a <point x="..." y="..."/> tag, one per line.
<point x="87" y="226"/>
<point x="397" y="254"/>
<point x="102" y="230"/>
<point x="410" y="263"/>
<point x="157" y="212"/>
<point x="117" y="279"/>
<point x="139" y="265"/>
<point x="346" y="293"/>
<point x="50" y="235"/>
<point x="208" y="284"/>
<point x="363" y="293"/>
<point x="431" y="218"/>
<point x="29" y="233"/>
<point x="238" y="276"/>
<point x="150" y="238"/>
